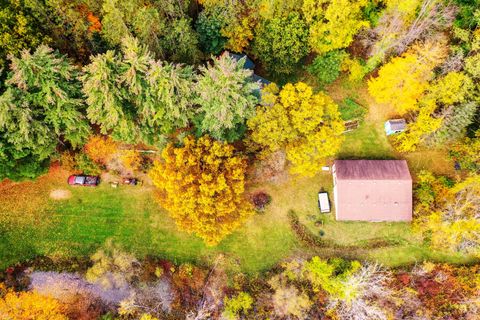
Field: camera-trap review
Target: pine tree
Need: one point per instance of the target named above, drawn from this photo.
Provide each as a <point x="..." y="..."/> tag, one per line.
<point x="137" y="98"/>
<point x="454" y="124"/>
<point x="41" y="106"/>
<point x="227" y="98"/>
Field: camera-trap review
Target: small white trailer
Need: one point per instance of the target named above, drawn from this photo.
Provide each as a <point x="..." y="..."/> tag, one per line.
<point x="323" y="202"/>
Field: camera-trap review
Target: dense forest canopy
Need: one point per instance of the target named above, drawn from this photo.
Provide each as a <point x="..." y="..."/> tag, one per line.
<point x="129" y="50"/>
<point x="121" y="65"/>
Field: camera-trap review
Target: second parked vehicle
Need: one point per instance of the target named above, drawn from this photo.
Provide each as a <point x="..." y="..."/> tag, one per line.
<point x="83" y="180"/>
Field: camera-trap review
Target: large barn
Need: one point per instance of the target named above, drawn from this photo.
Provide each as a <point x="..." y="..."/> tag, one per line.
<point x="372" y="190"/>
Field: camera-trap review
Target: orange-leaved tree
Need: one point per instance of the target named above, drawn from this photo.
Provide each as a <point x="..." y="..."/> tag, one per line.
<point x="29" y="305"/>
<point x="131" y="159"/>
<point x="202" y="186"/>
<point x="100" y="149"/>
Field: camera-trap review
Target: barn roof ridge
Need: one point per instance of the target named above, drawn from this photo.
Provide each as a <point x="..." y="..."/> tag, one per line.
<point x="372" y="170"/>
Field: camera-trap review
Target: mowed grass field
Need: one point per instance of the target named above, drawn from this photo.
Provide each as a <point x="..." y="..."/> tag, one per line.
<point x="129" y="216"/>
<point x="37" y="225"/>
<point x="391" y="244"/>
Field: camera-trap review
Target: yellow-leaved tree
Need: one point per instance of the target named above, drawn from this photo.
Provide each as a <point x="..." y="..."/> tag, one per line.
<point x="333" y="23"/>
<point x="453" y="88"/>
<point x="27" y="305"/>
<point x="239" y="32"/>
<point x="424" y="124"/>
<point x="239" y="20"/>
<point x="131" y="159"/>
<point x="405" y="7"/>
<point x="307" y="125"/>
<point x="403" y="80"/>
<point x="202" y="186"/>
<point x="448" y="215"/>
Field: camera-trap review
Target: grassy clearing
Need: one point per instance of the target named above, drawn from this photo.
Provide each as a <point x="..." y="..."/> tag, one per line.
<point x="350" y="110"/>
<point x="129" y="215"/>
<point x="34" y="224"/>
<point x="366" y="142"/>
<point x="392" y="244"/>
<point x="369" y="140"/>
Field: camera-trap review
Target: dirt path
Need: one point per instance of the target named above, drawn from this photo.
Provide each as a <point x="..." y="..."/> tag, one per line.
<point x="60" y="194"/>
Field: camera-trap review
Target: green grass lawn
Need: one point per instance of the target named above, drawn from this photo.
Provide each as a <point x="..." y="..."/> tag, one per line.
<point x="351" y="110"/>
<point x="389" y="243"/>
<point x="130" y="217"/>
<point x="366" y="142"/>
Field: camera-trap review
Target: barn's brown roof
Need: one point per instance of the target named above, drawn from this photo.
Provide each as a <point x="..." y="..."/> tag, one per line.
<point x="372" y="170"/>
<point x="372" y="190"/>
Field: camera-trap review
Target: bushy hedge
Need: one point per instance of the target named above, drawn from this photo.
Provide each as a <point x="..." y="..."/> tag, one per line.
<point x="351" y="110"/>
<point x="326" y="68"/>
<point x="302" y="231"/>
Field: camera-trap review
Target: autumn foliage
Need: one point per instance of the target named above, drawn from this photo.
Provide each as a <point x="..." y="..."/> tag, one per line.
<point x="94" y="22"/>
<point x="29" y="305"/>
<point x="443" y="291"/>
<point x="403" y="81"/>
<point x="131" y="159"/>
<point x="306" y="124"/>
<point x="447" y="212"/>
<point x="239" y="34"/>
<point x="333" y="24"/>
<point x="202" y="186"/>
<point x="100" y="149"/>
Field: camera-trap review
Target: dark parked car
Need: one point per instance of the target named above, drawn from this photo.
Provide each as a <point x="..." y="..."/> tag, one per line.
<point x="83" y="180"/>
<point x="131" y="181"/>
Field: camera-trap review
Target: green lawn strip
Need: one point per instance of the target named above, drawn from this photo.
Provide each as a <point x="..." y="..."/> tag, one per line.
<point x="130" y="218"/>
<point x="366" y="142"/>
<point x="17" y="244"/>
<point x="258" y="246"/>
<point x="391" y="244"/>
<point x="412" y="254"/>
<point x="80" y="225"/>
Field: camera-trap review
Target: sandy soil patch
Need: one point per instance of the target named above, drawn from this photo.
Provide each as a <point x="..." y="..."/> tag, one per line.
<point x="60" y="194"/>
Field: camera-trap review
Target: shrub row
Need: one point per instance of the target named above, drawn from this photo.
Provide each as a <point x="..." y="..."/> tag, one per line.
<point x="302" y="232"/>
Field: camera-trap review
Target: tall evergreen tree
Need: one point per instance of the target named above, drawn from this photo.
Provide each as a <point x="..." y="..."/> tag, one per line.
<point x="136" y="98"/>
<point x="226" y="96"/>
<point x="41" y="106"/>
<point x="455" y="122"/>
